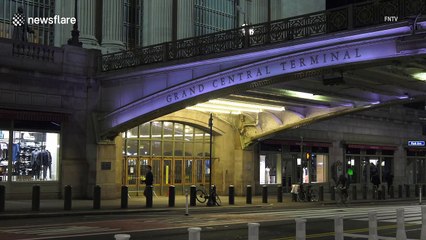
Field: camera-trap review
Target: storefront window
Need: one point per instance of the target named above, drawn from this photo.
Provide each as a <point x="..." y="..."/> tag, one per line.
<point x="319" y="166"/>
<point x="416" y="166"/>
<point x="4" y="143"/>
<point x="269" y="164"/>
<point x="353" y="165"/>
<point x="34" y="156"/>
<point x="363" y="164"/>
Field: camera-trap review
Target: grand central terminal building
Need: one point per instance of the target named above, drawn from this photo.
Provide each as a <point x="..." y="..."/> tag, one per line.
<point x="239" y="92"/>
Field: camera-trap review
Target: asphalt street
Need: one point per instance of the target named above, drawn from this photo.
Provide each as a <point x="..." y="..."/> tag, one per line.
<point x="276" y="223"/>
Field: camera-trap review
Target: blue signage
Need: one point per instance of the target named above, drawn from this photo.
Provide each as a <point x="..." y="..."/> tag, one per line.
<point x="416" y="143"/>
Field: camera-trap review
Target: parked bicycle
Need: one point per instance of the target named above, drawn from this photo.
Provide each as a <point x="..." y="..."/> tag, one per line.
<point x="202" y="195"/>
<point x="308" y="195"/>
<point x="342" y="195"/>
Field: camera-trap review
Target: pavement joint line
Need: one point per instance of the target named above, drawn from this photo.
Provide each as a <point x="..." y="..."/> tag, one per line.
<point x="366" y="236"/>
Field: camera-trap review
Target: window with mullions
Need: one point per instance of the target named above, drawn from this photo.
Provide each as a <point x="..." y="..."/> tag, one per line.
<point x="179" y="152"/>
<point x="214" y="16"/>
<point x="34" y="156"/>
<point x="132" y="25"/>
<point x="43" y="33"/>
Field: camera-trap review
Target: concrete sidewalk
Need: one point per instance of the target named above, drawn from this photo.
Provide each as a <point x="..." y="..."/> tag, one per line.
<point x="55" y="207"/>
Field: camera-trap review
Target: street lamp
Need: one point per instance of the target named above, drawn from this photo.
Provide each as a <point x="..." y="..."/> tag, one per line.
<point x="212" y="197"/>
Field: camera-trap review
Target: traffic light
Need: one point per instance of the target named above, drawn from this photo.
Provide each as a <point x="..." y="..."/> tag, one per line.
<point x="308" y="156"/>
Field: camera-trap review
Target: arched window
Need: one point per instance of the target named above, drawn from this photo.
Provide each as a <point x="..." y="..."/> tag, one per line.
<point x="178" y="153"/>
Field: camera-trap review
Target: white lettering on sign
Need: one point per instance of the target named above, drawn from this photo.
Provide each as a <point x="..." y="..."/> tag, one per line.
<point x="391" y="18"/>
<point x="267" y="70"/>
<point x="416" y="143"/>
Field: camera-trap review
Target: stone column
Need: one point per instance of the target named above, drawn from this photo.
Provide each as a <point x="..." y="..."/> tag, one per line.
<point x="157" y="22"/>
<point x="86" y="23"/>
<point x="259" y="11"/>
<point x="62" y="32"/>
<point x="112" y="26"/>
<point x="276" y="10"/>
<point x="185" y="19"/>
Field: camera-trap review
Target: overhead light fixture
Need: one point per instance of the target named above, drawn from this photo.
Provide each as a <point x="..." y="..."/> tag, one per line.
<point x="419" y="76"/>
<point x="403" y="97"/>
<point x="247" y="105"/>
<point x="202" y="109"/>
<point x="299" y="94"/>
<point x="225" y="107"/>
<point x="234" y="107"/>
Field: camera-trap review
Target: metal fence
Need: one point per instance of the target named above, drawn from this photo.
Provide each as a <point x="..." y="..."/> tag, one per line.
<point x="349" y="17"/>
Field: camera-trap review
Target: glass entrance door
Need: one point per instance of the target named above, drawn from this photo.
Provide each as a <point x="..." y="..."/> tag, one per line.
<point x="136" y="170"/>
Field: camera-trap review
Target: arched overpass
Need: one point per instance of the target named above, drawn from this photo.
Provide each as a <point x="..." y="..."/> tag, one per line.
<point x="365" y="68"/>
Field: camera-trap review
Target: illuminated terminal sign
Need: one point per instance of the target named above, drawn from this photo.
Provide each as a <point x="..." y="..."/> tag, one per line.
<point x="416" y="143"/>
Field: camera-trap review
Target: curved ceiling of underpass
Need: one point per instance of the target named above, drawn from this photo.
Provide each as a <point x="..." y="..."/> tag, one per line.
<point x="327" y="94"/>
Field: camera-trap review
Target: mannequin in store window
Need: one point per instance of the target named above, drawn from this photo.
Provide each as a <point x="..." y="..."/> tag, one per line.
<point x="49" y="163"/>
<point x="15" y="151"/>
<point x="267" y="175"/>
<point x="35" y="164"/>
<point x="46" y="161"/>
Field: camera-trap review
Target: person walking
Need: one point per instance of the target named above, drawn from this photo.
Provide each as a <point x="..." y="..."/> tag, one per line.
<point x="149" y="180"/>
<point x="343" y="185"/>
<point x="389" y="180"/>
<point x="375" y="180"/>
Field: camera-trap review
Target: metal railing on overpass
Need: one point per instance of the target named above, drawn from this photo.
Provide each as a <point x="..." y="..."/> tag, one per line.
<point x="349" y="17"/>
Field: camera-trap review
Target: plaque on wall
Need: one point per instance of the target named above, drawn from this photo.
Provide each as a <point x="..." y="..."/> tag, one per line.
<point x="105" y="165"/>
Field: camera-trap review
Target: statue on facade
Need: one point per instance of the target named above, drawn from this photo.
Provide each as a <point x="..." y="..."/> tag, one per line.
<point x="21" y="27"/>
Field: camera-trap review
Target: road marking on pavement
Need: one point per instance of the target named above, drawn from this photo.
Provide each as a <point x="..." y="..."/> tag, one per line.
<point x="55" y="230"/>
<point x="346" y="233"/>
<point x="366" y="236"/>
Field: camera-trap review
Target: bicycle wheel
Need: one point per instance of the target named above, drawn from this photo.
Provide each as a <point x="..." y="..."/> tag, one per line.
<point x="314" y="196"/>
<point x="201" y="196"/>
<point x="218" y="201"/>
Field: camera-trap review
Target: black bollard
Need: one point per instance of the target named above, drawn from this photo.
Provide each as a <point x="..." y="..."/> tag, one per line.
<point x="148" y="196"/>
<point x="375" y="192"/>
<point x="364" y="191"/>
<point x="391" y="192"/>
<point x="97" y="197"/>
<point x="124" y="197"/>
<point x="248" y="195"/>
<point x="171" y="196"/>
<point x="231" y="194"/>
<point x="333" y="193"/>
<point x="2" y="198"/>
<point x="416" y="190"/>
<point x="423" y="190"/>
<point x="383" y="192"/>
<point x="280" y="194"/>
<point x="265" y="194"/>
<point x="354" y="193"/>
<point x="407" y="191"/>
<point x="321" y="193"/>
<point x="36" y="198"/>
<point x="67" y="197"/>
<point x="193" y="196"/>
<point x="399" y="191"/>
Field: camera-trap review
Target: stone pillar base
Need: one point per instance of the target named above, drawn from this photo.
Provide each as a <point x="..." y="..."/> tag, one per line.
<point x="89" y="42"/>
<point x="110" y="46"/>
